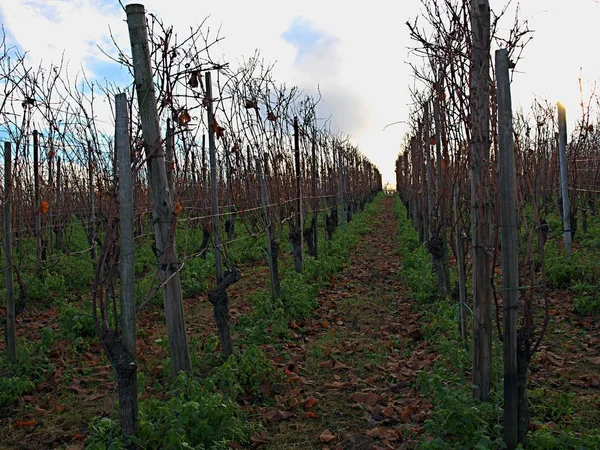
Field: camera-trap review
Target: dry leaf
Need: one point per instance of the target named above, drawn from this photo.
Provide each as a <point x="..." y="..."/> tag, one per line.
<point x="25" y="423"/>
<point x="326" y="436"/>
<point x="44" y="206"/>
<point x="310" y="402"/>
<point x="177" y="208"/>
<point x="366" y="398"/>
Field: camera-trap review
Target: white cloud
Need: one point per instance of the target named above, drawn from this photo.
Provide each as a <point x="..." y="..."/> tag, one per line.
<point x="360" y="67"/>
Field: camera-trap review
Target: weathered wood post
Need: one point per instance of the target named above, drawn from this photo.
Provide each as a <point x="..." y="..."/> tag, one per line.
<point x="36" y="199"/>
<point x="59" y="219"/>
<point x="162" y="202"/>
<point x="296" y="231"/>
<point x="170" y="152"/>
<point x="480" y="207"/>
<point x="271" y="243"/>
<point x="92" y="227"/>
<point x="213" y="180"/>
<point x="315" y="234"/>
<point x="444" y="282"/>
<point x="564" y="187"/>
<point x="460" y="264"/>
<point x="11" y="333"/>
<point x="218" y="296"/>
<point x="510" y="250"/>
<point x="128" y="405"/>
<point x="342" y="205"/>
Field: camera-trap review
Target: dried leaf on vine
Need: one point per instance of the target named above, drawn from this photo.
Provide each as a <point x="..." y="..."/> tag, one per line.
<point x="184" y="118"/>
<point x="271" y="116"/>
<point x="177" y="208"/>
<point x="251" y="104"/>
<point x="193" y="81"/>
<point x="44" y="206"/>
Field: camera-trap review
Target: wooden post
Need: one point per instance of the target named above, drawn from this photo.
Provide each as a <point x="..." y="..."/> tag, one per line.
<point x="170" y="151"/>
<point x="441" y="168"/>
<point x="59" y="219"/>
<point x="128" y="406"/>
<point x="510" y="250"/>
<point x="36" y="199"/>
<point x="480" y="118"/>
<point x="460" y="263"/>
<point x="314" y="195"/>
<point x="230" y="222"/>
<point x="214" y="181"/>
<point x="342" y="205"/>
<point x="564" y="187"/>
<point x="296" y="233"/>
<point x="92" y="229"/>
<point x="11" y="333"/>
<point x="162" y="202"/>
<point x="264" y="196"/>
<point x="428" y="171"/>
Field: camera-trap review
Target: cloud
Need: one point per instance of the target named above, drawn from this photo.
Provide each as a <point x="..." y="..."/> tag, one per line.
<point x="354" y="51"/>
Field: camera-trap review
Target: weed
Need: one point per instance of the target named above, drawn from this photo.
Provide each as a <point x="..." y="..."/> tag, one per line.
<point x="192" y="417"/>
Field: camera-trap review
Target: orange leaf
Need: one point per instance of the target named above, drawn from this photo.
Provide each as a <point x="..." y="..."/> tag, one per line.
<point x="310" y="414"/>
<point x="177" y="208"/>
<point x="310" y="402"/>
<point x="326" y="436"/>
<point x="44" y="207"/>
<point x="215" y="125"/>
<point x="388" y="411"/>
<point x="184" y="118"/>
<point x="366" y="398"/>
<point x="25" y="423"/>
<point x="79" y="437"/>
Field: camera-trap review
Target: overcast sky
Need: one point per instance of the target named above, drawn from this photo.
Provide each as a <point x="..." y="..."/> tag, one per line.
<point x="356" y="52"/>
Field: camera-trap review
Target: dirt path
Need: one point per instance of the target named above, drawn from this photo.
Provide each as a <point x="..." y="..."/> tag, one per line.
<point x="349" y="373"/>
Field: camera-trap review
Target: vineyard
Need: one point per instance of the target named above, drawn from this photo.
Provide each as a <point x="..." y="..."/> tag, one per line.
<point x="196" y="260"/>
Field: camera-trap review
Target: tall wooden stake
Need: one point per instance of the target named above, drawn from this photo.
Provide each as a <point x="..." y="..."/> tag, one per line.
<point x="296" y="234"/>
<point x="510" y="250"/>
<point x="36" y="198"/>
<point x="444" y="283"/>
<point x="162" y="202"/>
<point x="480" y="118"/>
<point x="564" y="187"/>
<point x="11" y="336"/>
<point x="342" y="205"/>
<point x="314" y="195"/>
<point x="214" y="181"/>
<point x="271" y="252"/>
<point x="460" y="263"/>
<point x="128" y="405"/>
<point x="92" y="230"/>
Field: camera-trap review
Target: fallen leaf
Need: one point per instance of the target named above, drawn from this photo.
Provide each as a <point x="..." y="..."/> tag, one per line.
<point x="326" y="436"/>
<point x="383" y="433"/>
<point x="310" y="414"/>
<point x="310" y="402"/>
<point x="25" y="423"/>
<point x="366" y="398"/>
<point x="388" y="411"/>
<point x="338" y="385"/>
<point x="260" y="438"/>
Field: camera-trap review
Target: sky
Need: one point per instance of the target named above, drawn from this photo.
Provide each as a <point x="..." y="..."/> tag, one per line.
<point x="355" y="53"/>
